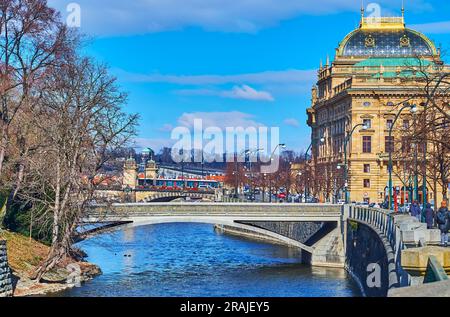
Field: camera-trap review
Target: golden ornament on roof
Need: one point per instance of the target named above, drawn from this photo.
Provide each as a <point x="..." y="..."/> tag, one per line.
<point x="370" y="41"/>
<point x="405" y="41"/>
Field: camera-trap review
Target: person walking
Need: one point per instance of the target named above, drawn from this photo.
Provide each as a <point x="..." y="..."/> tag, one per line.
<point x="415" y="210"/>
<point x="443" y="221"/>
<point x="429" y="216"/>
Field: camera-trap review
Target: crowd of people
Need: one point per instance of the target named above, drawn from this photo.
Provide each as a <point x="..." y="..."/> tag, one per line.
<point x="441" y="218"/>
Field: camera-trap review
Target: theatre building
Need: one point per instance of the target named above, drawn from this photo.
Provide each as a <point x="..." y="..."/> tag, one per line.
<point x="373" y="75"/>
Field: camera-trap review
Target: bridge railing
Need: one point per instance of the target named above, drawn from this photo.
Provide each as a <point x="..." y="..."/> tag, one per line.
<point x="382" y="220"/>
<point x="226" y="199"/>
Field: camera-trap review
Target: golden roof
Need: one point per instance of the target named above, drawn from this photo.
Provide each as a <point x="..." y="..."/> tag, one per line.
<point x="382" y="23"/>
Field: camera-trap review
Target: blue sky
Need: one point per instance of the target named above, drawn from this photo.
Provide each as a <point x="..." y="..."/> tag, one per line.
<point x="230" y="62"/>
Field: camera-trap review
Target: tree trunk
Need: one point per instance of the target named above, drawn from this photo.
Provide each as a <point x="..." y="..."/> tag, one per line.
<point x="3" y="145"/>
<point x="56" y="209"/>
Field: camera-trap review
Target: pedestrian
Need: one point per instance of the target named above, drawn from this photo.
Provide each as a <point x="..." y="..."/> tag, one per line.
<point x="415" y="210"/>
<point x="429" y="216"/>
<point x="443" y="221"/>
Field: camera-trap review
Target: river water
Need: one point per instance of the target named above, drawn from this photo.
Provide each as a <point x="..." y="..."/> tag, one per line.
<point x="193" y="260"/>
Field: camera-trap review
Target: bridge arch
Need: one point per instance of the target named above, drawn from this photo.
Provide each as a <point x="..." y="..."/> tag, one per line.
<point x="164" y="199"/>
<point x="212" y="221"/>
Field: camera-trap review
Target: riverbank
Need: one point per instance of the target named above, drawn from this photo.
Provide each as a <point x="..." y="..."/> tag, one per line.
<point x="25" y="255"/>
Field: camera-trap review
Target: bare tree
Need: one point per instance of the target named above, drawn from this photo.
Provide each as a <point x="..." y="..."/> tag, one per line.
<point x="81" y="123"/>
<point x="33" y="41"/>
<point x="431" y="131"/>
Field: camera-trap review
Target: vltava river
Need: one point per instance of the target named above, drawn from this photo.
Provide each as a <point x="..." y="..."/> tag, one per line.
<point x="192" y="260"/>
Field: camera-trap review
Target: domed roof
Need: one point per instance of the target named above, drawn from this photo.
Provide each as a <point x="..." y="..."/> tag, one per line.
<point x="373" y="40"/>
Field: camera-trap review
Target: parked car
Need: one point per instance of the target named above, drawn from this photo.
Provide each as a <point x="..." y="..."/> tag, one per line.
<point x="282" y="196"/>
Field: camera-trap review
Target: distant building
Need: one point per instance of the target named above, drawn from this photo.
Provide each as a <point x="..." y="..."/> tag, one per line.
<point x="133" y="173"/>
<point x="130" y="171"/>
<point x="149" y="174"/>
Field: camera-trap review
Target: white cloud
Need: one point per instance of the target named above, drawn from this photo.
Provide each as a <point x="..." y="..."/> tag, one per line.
<point x="219" y="119"/>
<point x="267" y="77"/>
<point x="283" y="82"/>
<point x="433" y="28"/>
<point x="155" y="144"/>
<point x="248" y="93"/>
<point x="244" y="92"/>
<point x="118" y="17"/>
<point x="292" y="122"/>
<point x="166" y="128"/>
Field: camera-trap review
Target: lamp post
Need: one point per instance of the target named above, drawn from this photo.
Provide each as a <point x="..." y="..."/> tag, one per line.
<point x="264" y="188"/>
<point x="322" y="140"/>
<point x="299" y="174"/>
<point x="281" y="145"/>
<point x="250" y="153"/>
<point x="236" y="184"/>
<point x="203" y="165"/>
<point x="339" y="167"/>
<point x="182" y="175"/>
<point x="424" y="181"/>
<point x="413" y="109"/>
<point x="346" y="141"/>
<point x="270" y="189"/>
<point x="416" y="174"/>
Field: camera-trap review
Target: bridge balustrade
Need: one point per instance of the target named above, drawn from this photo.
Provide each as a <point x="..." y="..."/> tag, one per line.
<point x="382" y="220"/>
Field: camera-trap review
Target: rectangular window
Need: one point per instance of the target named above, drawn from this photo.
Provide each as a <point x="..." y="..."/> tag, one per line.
<point x="406" y="124"/>
<point x="406" y="145"/>
<point x="366" y="168"/>
<point x="389" y="144"/>
<point x="367" y="183"/>
<point x="367" y="144"/>
<point x="389" y="124"/>
<point x="368" y="123"/>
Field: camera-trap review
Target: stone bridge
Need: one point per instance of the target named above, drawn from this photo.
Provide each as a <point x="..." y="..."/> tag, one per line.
<point x="267" y="220"/>
<point x="366" y="242"/>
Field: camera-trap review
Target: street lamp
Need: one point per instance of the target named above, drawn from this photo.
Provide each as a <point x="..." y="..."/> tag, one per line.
<point x="321" y="140"/>
<point x="346" y="141"/>
<point x="283" y="146"/>
<point x="250" y="153"/>
<point x="413" y="109"/>
<point x="297" y="181"/>
<point x="203" y="164"/>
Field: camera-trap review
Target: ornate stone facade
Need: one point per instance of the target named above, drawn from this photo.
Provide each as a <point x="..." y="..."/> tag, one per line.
<point x="372" y="75"/>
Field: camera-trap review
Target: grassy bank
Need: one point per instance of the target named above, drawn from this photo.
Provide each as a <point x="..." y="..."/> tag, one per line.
<point x="24" y="257"/>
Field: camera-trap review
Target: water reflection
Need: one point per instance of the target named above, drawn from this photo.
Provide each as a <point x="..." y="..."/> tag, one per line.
<point x="194" y="260"/>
